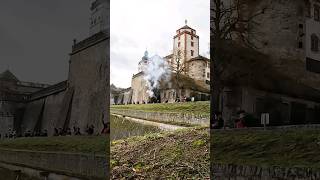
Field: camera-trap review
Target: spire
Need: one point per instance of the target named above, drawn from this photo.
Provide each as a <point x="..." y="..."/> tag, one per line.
<point x="146" y="53"/>
<point x="145" y="57"/>
<point x="186" y="21"/>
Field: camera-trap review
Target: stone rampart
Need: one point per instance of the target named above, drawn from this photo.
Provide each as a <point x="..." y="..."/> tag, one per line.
<point x="89" y="166"/>
<point x="192" y="119"/>
<point x="240" y="172"/>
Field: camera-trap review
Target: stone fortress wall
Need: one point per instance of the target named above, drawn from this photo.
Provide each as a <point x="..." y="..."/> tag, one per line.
<point x="79" y="101"/>
<point x="233" y="171"/>
<point x="89" y="77"/>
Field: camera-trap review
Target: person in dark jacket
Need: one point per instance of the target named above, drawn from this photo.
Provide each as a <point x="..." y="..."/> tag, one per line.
<point x="218" y="122"/>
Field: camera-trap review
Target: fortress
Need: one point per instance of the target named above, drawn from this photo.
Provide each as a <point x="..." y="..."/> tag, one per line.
<point x="193" y="70"/>
<point x="79" y="101"/>
<point x="280" y="75"/>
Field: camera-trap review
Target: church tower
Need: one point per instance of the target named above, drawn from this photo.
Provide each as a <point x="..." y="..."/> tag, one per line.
<point x="187" y="41"/>
<point x="143" y="64"/>
<point x="99" y="20"/>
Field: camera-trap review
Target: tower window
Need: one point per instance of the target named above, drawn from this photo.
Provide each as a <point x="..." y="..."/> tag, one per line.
<point x="300" y="45"/>
<point x="178" y="44"/>
<point x="191" y="52"/>
<point x="314" y="43"/>
<point x="308" y="9"/>
<point x="208" y="75"/>
<point x="191" y="43"/>
<point x="191" y="37"/>
<point x="301" y="26"/>
<point x="316" y="13"/>
<point x="179" y="38"/>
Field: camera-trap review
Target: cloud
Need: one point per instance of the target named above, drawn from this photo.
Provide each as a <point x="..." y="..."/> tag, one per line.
<point x="140" y="24"/>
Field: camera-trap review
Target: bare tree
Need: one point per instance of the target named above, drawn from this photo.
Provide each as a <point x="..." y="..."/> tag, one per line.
<point x="179" y="67"/>
<point x="230" y="21"/>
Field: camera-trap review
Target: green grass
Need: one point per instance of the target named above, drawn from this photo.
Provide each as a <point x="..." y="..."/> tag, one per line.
<point x="292" y="148"/>
<point x="200" y="107"/>
<point x="76" y="144"/>
<point x="123" y="128"/>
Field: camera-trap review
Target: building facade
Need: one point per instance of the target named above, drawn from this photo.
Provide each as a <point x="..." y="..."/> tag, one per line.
<point x="185" y="50"/>
<point x="99" y="20"/>
<point x="185" y="60"/>
<point x="282" y="78"/>
<point x="79" y="101"/>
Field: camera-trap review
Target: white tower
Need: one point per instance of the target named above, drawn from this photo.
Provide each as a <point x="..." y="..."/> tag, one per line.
<point x="187" y="41"/>
<point x="99" y="20"/>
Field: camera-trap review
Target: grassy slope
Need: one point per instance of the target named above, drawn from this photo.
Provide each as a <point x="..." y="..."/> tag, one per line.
<point x="200" y="107"/>
<point x="182" y="154"/>
<point x="299" y="148"/>
<point x="77" y="144"/>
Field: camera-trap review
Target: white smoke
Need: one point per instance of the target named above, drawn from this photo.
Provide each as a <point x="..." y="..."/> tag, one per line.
<point x="157" y="70"/>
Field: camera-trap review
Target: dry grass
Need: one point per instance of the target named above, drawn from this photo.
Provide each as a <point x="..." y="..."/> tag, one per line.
<point x="178" y="155"/>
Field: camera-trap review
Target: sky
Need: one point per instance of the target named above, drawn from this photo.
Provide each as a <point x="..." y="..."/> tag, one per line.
<point x="151" y="24"/>
<point x="36" y="37"/>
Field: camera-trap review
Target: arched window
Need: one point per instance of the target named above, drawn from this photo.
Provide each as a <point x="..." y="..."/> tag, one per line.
<point x="314" y="43"/>
<point x="316" y="12"/>
<point x="308" y="8"/>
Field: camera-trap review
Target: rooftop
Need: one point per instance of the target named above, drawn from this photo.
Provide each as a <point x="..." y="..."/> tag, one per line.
<point x="92" y="40"/>
<point x="8" y="76"/>
<point x="201" y="58"/>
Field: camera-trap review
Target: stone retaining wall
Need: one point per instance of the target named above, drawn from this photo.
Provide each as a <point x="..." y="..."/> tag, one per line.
<point x="239" y="172"/>
<point x="165" y="117"/>
<point x="273" y="128"/>
<point x="89" y="166"/>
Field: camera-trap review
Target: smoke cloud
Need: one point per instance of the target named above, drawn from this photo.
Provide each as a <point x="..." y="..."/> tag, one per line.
<point x="157" y="70"/>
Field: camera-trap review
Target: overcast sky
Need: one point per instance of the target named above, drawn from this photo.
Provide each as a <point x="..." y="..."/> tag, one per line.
<point x="139" y="24"/>
<point x="36" y="37"/>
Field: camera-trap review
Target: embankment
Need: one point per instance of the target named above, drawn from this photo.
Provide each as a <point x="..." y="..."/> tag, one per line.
<point x="83" y="166"/>
<point x="73" y="156"/>
<point x="232" y="171"/>
<point x="283" y="153"/>
<point x="182" y="154"/>
<point x="165" y="117"/>
<point x="161" y="126"/>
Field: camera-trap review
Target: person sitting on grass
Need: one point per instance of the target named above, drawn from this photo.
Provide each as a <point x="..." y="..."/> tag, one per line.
<point x="90" y="129"/>
<point x="240" y="122"/>
<point x="45" y="133"/>
<point x="68" y="133"/>
<point x="56" y="132"/>
<point x="218" y="121"/>
<point x="106" y="129"/>
<point x="76" y="131"/>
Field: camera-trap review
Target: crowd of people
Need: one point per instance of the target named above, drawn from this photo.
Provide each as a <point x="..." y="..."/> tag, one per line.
<point x="242" y="120"/>
<point x="90" y="130"/>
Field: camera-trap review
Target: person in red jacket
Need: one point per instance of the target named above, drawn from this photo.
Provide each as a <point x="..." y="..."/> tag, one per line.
<point x="240" y="122"/>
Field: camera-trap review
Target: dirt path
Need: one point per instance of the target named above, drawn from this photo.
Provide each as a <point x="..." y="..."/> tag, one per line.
<point x="162" y="126"/>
